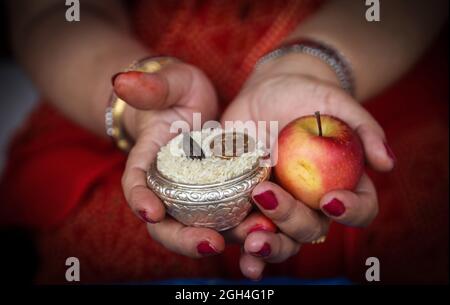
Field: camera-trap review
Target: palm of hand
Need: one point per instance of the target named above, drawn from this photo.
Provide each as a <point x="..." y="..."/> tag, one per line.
<point x="179" y="91"/>
<point x="283" y="98"/>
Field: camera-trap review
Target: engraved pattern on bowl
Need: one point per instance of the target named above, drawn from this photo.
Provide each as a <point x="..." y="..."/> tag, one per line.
<point x="219" y="206"/>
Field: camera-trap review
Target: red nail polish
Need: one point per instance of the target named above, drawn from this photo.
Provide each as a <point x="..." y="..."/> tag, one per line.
<point x="335" y="207"/>
<point x="113" y="78"/>
<point x="264" y="251"/>
<point x="257" y="227"/>
<point x="267" y="200"/>
<point x="144" y="217"/>
<point x="390" y="152"/>
<point x="205" y="248"/>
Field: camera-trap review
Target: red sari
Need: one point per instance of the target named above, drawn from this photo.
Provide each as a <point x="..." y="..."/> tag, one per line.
<point x="64" y="182"/>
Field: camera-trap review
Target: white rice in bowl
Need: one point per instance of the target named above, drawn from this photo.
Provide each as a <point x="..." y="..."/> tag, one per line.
<point x="173" y="163"/>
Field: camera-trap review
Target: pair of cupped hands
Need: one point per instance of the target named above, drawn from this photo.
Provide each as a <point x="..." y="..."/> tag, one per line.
<point x="282" y="90"/>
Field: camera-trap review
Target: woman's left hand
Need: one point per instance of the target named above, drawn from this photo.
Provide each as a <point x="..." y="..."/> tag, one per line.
<point x="283" y="90"/>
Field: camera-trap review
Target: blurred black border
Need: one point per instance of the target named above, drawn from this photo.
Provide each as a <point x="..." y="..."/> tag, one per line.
<point x="4" y="38"/>
<point x="19" y="258"/>
<point x="283" y="295"/>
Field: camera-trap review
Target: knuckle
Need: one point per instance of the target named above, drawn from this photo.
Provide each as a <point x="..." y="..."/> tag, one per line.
<point x="286" y="212"/>
<point x="310" y="231"/>
<point x="315" y="233"/>
<point x="281" y="216"/>
<point x="189" y="71"/>
<point x="180" y="239"/>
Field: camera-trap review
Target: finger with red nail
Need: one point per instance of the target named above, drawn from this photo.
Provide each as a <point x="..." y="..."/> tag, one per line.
<point x="290" y="215"/>
<point x="153" y="102"/>
<point x="356" y="208"/>
<point x="189" y="241"/>
<point x="254" y="222"/>
<point x="272" y="247"/>
<point x="261" y="247"/>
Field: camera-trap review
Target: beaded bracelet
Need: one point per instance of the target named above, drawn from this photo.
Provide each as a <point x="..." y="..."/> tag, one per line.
<point x="329" y="55"/>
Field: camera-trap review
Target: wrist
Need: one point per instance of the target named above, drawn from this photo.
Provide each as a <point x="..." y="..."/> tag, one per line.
<point x="296" y="64"/>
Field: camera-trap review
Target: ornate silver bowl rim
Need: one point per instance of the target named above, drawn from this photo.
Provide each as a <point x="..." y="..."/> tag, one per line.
<point x="199" y="194"/>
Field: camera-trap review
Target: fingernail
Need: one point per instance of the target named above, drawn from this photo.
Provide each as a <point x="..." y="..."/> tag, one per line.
<point x="335" y="207"/>
<point x="145" y="217"/>
<point x="257" y="227"/>
<point x="390" y="153"/>
<point x="264" y="251"/>
<point x="267" y="200"/>
<point x="205" y="248"/>
<point x="113" y="78"/>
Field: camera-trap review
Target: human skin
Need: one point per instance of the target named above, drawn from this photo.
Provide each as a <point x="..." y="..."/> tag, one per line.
<point x="298" y="84"/>
<point x="295" y="81"/>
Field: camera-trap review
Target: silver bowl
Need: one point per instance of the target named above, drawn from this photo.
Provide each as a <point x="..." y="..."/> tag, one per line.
<point x="219" y="206"/>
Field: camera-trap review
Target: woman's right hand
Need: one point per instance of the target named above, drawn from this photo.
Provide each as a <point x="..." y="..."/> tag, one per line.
<point x="154" y="101"/>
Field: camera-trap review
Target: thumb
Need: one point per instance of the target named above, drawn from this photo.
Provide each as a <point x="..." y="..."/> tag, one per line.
<point x="158" y="90"/>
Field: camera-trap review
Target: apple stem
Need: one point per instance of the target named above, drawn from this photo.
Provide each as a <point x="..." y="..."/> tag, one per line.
<point x="319" y="122"/>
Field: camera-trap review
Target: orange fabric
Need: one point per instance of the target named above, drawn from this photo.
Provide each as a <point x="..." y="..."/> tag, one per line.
<point x="224" y="38"/>
<point x="66" y="182"/>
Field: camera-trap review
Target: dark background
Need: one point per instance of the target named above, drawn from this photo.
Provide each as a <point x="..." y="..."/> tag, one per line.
<point x="4" y="49"/>
<point x="18" y="258"/>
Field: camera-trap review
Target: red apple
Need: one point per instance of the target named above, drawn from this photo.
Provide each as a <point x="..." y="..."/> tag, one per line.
<point x="318" y="154"/>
